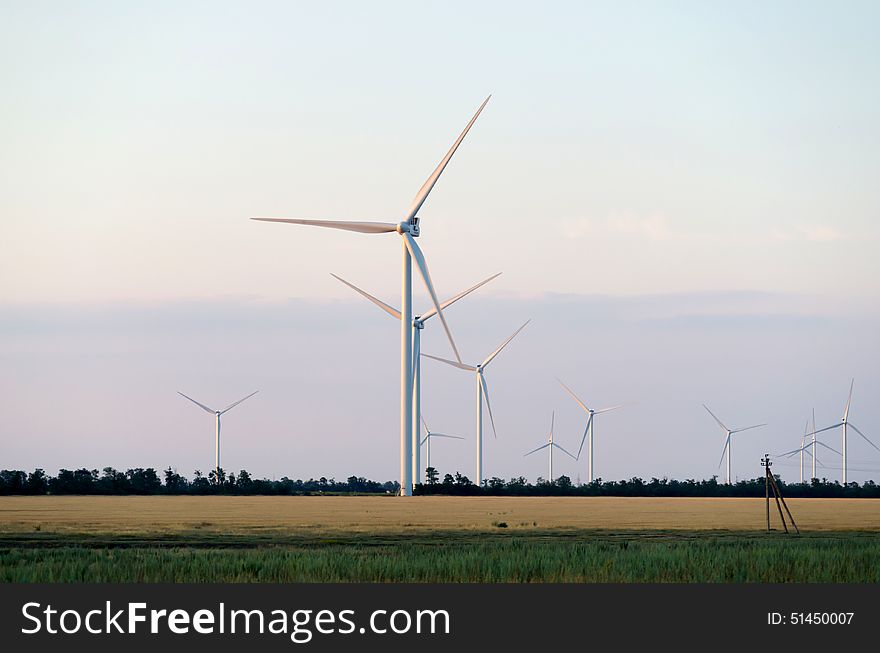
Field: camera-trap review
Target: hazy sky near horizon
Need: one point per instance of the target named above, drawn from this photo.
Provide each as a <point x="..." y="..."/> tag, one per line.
<point x="664" y="186"/>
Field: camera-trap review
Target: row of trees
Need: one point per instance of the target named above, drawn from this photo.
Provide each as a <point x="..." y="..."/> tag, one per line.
<point x="148" y="481"/>
<point x="637" y="487"/>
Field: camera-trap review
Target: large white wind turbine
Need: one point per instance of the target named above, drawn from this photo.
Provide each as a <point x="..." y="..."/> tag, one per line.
<point x="427" y="441"/>
<point x="728" y="433"/>
<point x="418" y="323"/>
<point x="408" y="229"/>
<point x="550" y="446"/>
<point x="482" y="393"/>
<point x="845" y="424"/>
<point x="217" y="414"/>
<point x="588" y="431"/>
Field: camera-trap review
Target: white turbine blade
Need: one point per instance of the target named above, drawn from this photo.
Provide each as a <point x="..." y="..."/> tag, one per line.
<point x="425" y="424"/>
<point x="488" y="404"/>
<point x="720" y="423"/>
<point x="575" y="397"/>
<point x="607" y="410"/>
<point x="848" y="400"/>
<point x="360" y="227"/>
<point x="563" y="449"/>
<point x="422" y="195"/>
<point x="724" y="450"/>
<point x="748" y="428"/>
<point x="233" y="405"/>
<point x="853" y="427"/>
<point x="584" y="439"/>
<point x="552" y="422"/>
<point x="461" y="366"/>
<point x="817" y="460"/>
<point x="789" y="454"/>
<point x="504" y="344"/>
<point x="449" y="302"/>
<point x="543" y="446"/>
<point x="416" y="252"/>
<point x="827" y="428"/>
<point x="822" y="444"/>
<point x="202" y="406"/>
<point x="445" y="435"/>
<point x="393" y="312"/>
<point x="425" y="439"/>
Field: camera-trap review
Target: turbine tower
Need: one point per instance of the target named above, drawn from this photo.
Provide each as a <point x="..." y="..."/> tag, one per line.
<point x="217" y="414"/>
<point x="550" y="446"/>
<point x="728" y="433"/>
<point x="408" y="229"/>
<point x="418" y="324"/>
<point x="845" y="424"/>
<point x="482" y="393"/>
<point x="427" y="441"/>
<point x="588" y="431"/>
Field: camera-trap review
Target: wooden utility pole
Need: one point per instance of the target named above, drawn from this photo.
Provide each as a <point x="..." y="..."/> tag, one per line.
<point x="771" y="484"/>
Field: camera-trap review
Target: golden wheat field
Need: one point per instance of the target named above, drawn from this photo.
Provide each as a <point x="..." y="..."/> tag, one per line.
<point x="336" y="514"/>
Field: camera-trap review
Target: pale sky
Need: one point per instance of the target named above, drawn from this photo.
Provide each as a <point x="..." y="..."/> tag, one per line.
<point x="682" y="196"/>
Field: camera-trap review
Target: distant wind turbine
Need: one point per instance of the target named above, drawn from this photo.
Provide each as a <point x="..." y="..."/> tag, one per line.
<point x="217" y="414"/>
<point x="482" y="393"/>
<point x="845" y="424"/>
<point x="408" y="229"/>
<point x="550" y="446"/>
<point x="727" y="440"/>
<point x="588" y="431"/>
<point x="427" y="441"/>
<point x="418" y="323"/>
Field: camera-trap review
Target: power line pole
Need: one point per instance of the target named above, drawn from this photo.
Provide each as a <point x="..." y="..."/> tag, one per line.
<point x="771" y="484"/>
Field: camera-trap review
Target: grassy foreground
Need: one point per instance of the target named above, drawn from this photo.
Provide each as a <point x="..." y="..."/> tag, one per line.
<point x="450" y="557"/>
<point x="432" y="539"/>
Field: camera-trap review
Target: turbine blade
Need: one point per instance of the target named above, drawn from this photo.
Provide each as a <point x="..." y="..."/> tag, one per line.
<point x="607" y="410"/>
<point x="444" y="435"/>
<point x="827" y="428"/>
<point x="720" y="423"/>
<point x="202" y="406"/>
<point x="393" y="312"/>
<point x="504" y="344"/>
<point x="422" y="195"/>
<point x="416" y="252"/>
<point x="748" y="428"/>
<point x="552" y="422"/>
<point x="543" y="446"/>
<point x="563" y="449"/>
<point x="584" y="439"/>
<point x="488" y="404"/>
<point x="360" y="227"/>
<point x="425" y="424"/>
<point x="233" y="405"/>
<point x="425" y="439"/>
<point x="724" y="450"/>
<point x="822" y="444"/>
<point x="461" y="366"/>
<point x="848" y="400"/>
<point x="449" y="302"/>
<point x="853" y="427"/>
<point x="575" y="397"/>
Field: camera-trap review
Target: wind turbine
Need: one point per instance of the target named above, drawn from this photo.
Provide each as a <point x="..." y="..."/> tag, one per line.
<point x="408" y="229"/>
<point x="588" y="431"/>
<point x="482" y="393"/>
<point x="728" y="432"/>
<point x="845" y="423"/>
<point x="418" y="323"/>
<point x="550" y="445"/>
<point x="217" y="414"/>
<point x="427" y="441"/>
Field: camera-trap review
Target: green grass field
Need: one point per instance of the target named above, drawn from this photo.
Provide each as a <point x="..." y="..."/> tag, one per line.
<point x="439" y="539"/>
<point x="574" y="556"/>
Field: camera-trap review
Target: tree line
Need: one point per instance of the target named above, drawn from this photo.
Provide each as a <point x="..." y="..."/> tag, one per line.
<point x="146" y="481"/>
